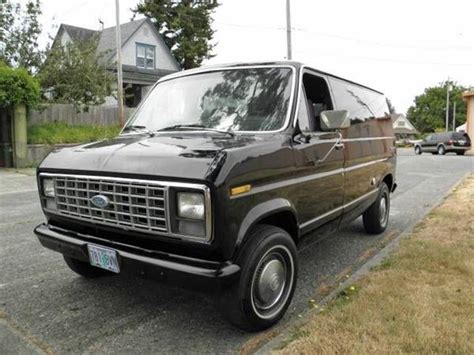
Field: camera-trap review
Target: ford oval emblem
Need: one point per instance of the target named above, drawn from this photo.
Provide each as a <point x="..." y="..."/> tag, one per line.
<point x="100" y="201"/>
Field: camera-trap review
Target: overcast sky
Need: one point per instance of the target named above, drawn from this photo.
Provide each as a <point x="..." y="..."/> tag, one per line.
<point x="398" y="47"/>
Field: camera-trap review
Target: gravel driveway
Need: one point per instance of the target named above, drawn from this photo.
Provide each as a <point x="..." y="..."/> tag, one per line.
<point x="46" y="304"/>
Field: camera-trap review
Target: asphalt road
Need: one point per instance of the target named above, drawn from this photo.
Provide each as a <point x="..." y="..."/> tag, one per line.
<point x="42" y="301"/>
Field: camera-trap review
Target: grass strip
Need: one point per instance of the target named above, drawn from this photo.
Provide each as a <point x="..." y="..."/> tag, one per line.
<point x="420" y="300"/>
<point x="60" y="133"/>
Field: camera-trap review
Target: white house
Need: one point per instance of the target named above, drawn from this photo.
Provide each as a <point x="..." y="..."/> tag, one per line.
<point x="462" y="128"/>
<point x="145" y="56"/>
<point x="402" y="127"/>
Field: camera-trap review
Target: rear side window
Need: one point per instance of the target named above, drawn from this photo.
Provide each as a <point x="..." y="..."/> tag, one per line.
<point x="362" y="104"/>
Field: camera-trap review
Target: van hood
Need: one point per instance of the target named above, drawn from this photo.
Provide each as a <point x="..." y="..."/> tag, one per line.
<point x="178" y="156"/>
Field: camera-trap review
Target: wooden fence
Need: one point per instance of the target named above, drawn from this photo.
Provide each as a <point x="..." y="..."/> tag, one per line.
<point x="99" y="115"/>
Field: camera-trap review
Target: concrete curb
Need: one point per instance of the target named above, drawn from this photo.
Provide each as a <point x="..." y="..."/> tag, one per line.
<point x="374" y="261"/>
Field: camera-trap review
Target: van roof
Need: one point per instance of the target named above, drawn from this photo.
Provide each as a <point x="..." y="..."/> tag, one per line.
<point x="295" y="64"/>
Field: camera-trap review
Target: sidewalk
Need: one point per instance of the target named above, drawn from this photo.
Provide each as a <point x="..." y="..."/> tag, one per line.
<point x="13" y="180"/>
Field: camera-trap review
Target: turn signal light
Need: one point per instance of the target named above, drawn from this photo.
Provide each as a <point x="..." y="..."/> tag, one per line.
<point x="240" y="189"/>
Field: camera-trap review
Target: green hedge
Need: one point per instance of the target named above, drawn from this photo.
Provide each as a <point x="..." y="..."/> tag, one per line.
<point x="59" y="133"/>
<point x="17" y="87"/>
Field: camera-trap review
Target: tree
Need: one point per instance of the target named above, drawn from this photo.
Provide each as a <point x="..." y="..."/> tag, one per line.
<point x="19" y="32"/>
<point x="185" y="26"/>
<point x="428" y="114"/>
<point x="17" y="87"/>
<point x="391" y="108"/>
<point x="76" y="74"/>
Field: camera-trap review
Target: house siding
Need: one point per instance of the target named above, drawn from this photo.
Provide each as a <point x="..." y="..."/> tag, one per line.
<point x="65" y="39"/>
<point x="145" y="35"/>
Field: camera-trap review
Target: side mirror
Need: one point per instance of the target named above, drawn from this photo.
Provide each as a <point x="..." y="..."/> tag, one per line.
<point x="335" y="119"/>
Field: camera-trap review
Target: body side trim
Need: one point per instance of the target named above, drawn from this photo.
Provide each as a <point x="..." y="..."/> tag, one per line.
<point x="299" y="180"/>
<point x="327" y="214"/>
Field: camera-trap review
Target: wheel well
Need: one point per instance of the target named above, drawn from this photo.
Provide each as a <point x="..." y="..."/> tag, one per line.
<point x="388" y="179"/>
<point x="284" y="220"/>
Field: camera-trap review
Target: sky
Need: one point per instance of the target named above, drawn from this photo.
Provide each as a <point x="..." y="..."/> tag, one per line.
<point x="398" y="47"/>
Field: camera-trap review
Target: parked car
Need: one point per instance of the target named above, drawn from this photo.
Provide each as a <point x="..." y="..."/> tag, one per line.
<point x="218" y="178"/>
<point x="442" y="143"/>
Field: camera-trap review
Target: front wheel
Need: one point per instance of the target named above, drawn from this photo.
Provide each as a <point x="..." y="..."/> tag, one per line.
<point x="418" y="150"/>
<point x="376" y="217"/>
<point x="269" y="268"/>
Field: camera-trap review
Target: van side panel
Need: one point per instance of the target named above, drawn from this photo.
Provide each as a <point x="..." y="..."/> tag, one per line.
<point x="369" y="144"/>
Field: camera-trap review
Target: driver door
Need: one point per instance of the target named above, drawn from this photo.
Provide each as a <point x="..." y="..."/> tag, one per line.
<point x="319" y="195"/>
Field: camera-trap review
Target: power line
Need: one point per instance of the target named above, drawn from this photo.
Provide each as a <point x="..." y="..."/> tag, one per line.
<point x="384" y="44"/>
<point x="388" y="59"/>
<point x="346" y="38"/>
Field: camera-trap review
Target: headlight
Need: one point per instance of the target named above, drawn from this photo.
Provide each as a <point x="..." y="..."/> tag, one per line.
<point x="48" y="187"/>
<point x="191" y="205"/>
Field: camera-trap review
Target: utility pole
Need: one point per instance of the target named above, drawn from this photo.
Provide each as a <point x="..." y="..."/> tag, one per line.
<point x="288" y="31"/>
<point x="454" y="116"/>
<point x="118" y="41"/>
<point x="448" y="89"/>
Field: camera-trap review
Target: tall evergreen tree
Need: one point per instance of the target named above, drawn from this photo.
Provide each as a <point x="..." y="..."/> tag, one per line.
<point x="185" y="26"/>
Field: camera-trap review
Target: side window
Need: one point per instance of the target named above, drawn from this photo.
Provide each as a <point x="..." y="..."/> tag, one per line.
<point x="362" y="104"/>
<point x="315" y="98"/>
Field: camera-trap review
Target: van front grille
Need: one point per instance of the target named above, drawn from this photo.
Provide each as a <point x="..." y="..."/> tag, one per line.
<point x="130" y="204"/>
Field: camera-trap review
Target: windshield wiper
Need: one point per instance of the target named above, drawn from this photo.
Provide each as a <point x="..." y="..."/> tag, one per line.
<point x="195" y="127"/>
<point x="140" y="129"/>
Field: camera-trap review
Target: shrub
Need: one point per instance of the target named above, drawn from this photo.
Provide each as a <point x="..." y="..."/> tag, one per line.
<point x="17" y="87"/>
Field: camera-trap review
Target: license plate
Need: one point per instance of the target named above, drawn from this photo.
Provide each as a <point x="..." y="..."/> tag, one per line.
<point x="104" y="258"/>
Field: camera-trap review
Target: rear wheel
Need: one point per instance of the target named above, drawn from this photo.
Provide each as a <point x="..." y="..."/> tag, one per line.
<point x="418" y="150"/>
<point x="84" y="269"/>
<point x="376" y="216"/>
<point x="267" y="281"/>
<point x="461" y="152"/>
<point x="441" y="150"/>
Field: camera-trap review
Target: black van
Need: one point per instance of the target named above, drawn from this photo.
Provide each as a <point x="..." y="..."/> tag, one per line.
<point x="221" y="174"/>
<point x="442" y="143"/>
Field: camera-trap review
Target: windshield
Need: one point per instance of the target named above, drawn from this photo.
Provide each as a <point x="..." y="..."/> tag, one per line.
<point x="234" y="100"/>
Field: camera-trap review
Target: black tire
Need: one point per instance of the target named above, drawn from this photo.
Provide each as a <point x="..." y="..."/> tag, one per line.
<point x="460" y="153"/>
<point x="441" y="150"/>
<point x="376" y="216"/>
<point x="261" y="296"/>
<point x="418" y="150"/>
<point x="434" y="153"/>
<point x="84" y="269"/>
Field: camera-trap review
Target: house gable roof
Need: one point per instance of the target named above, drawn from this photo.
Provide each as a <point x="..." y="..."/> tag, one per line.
<point x="406" y="127"/>
<point x="78" y="33"/>
<point x="107" y="37"/>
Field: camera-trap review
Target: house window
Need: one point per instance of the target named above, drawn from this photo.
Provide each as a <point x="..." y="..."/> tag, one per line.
<point x="401" y="123"/>
<point x="145" y="56"/>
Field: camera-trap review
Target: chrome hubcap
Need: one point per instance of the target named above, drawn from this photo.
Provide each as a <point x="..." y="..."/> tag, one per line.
<point x="383" y="210"/>
<point x="271" y="282"/>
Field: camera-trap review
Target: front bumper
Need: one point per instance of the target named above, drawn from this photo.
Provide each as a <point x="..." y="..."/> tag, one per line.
<point x="176" y="269"/>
